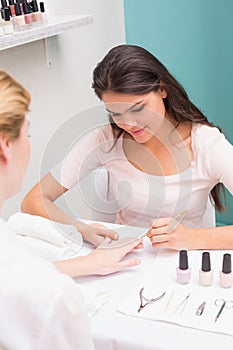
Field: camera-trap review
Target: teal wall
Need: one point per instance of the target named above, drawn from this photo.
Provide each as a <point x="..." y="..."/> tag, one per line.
<point x="194" y="39"/>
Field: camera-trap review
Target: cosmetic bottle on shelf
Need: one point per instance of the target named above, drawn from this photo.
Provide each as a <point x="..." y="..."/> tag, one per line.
<point x="4" y="4"/>
<point x="27" y="13"/>
<point x="20" y="2"/>
<point x="43" y="14"/>
<point x="36" y="15"/>
<point x="8" y="24"/>
<point x="19" y="20"/>
<point x="12" y="7"/>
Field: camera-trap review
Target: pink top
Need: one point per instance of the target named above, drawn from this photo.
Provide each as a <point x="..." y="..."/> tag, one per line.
<point x="142" y="197"/>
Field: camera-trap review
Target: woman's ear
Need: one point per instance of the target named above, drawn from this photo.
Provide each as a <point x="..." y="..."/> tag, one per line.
<point x="5" y="151"/>
<point x="162" y="90"/>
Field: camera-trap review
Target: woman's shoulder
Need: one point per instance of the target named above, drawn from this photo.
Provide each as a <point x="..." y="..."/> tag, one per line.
<point x="208" y="141"/>
<point x="100" y="132"/>
<point x="92" y="137"/>
<point x="105" y="131"/>
<point x="206" y="133"/>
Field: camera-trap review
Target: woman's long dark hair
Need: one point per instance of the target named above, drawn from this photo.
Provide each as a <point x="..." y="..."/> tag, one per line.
<point x="133" y="70"/>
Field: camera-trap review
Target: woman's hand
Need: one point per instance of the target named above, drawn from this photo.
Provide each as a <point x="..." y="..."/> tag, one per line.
<point x="102" y="261"/>
<point x="96" y="233"/>
<point x="168" y="233"/>
<point x="106" y="259"/>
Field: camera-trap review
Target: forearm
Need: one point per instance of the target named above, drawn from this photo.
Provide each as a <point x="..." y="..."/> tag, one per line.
<point x="42" y="206"/>
<point x="212" y="238"/>
<point x="80" y="266"/>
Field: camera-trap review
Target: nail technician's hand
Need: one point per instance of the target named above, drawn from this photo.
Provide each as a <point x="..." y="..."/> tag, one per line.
<point x="105" y="259"/>
<point x="96" y="233"/>
<point x="169" y="233"/>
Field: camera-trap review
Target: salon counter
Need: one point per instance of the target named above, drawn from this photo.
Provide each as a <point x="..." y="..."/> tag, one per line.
<point x="112" y="330"/>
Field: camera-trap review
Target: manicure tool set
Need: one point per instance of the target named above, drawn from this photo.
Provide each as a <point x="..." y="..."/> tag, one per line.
<point x="177" y="304"/>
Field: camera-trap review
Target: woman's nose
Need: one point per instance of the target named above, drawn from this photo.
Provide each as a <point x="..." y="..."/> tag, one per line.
<point x="129" y="120"/>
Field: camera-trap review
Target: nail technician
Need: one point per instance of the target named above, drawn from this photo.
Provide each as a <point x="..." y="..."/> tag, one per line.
<point x="162" y="154"/>
<point x="41" y="308"/>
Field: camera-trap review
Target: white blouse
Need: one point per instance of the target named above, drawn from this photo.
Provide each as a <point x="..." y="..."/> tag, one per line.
<point x="40" y="307"/>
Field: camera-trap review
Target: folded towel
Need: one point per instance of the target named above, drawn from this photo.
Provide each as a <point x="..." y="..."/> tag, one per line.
<point x="46" y="238"/>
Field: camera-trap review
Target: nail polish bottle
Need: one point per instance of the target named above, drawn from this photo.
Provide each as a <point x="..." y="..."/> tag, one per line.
<point x="27" y="13"/>
<point x="205" y="273"/>
<point x="4" y="4"/>
<point x="4" y="9"/>
<point x="8" y="25"/>
<point x="183" y="272"/>
<point x="19" y="21"/>
<point x="226" y="276"/>
<point x="20" y="4"/>
<point x="36" y="15"/>
<point x="12" y="7"/>
<point x="43" y="13"/>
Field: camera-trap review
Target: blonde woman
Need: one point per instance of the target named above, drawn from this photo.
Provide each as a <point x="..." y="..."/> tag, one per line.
<point x="41" y="308"/>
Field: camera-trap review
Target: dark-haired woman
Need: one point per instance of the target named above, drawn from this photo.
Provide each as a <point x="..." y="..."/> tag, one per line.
<point x="164" y="158"/>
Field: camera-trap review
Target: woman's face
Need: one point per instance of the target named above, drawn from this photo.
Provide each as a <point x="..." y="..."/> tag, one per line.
<point x="139" y="115"/>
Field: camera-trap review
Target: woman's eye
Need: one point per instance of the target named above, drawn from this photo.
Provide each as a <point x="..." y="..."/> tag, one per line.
<point x="116" y="115"/>
<point x="139" y="109"/>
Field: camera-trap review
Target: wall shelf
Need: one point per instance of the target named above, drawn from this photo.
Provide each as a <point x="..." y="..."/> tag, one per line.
<point x="56" y="25"/>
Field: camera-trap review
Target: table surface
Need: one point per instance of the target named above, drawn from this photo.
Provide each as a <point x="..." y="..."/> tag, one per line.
<point x="112" y="330"/>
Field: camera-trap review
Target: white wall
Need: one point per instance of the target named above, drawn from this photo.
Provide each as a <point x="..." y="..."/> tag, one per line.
<point x="64" y="89"/>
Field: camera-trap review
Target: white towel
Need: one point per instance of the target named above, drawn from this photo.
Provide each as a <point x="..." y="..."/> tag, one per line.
<point x="46" y="238"/>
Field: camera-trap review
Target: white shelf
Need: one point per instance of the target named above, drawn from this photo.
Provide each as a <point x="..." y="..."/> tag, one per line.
<point x="55" y="26"/>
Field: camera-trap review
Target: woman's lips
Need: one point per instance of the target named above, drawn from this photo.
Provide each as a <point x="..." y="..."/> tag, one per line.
<point x="137" y="132"/>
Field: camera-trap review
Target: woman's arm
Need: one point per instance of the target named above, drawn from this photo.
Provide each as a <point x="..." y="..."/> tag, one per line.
<point x="215" y="159"/>
<point x="40" y="201"/>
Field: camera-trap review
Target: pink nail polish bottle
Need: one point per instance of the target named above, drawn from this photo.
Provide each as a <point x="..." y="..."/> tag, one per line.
<point x="27" y="14"/>
<point x="12" y="8"/>
<point x="183" y="272"/>
<point x="19" y="22"/>
<point x="36" y="15"/>
<point x="205" y="273"/>
<point x="226" y="276"/>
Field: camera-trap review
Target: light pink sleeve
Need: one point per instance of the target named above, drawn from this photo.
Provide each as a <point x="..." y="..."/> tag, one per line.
<point x="85" y="156"/>
<point x="218" y="156"/>
<point x="78" y="161"/>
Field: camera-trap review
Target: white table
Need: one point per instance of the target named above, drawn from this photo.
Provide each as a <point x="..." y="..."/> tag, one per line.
<point x="112" y="330"/>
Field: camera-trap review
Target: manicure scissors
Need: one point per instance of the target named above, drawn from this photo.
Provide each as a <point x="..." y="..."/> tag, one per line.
<point x="228" y="304"/>
<point x="147" y="301"/>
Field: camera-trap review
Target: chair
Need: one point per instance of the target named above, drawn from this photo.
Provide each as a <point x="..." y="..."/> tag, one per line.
<point x="209" y="218"/>
<point x="104" y="205"/>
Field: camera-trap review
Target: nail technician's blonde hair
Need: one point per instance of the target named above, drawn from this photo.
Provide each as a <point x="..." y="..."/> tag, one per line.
<point x="14" y="104"/>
